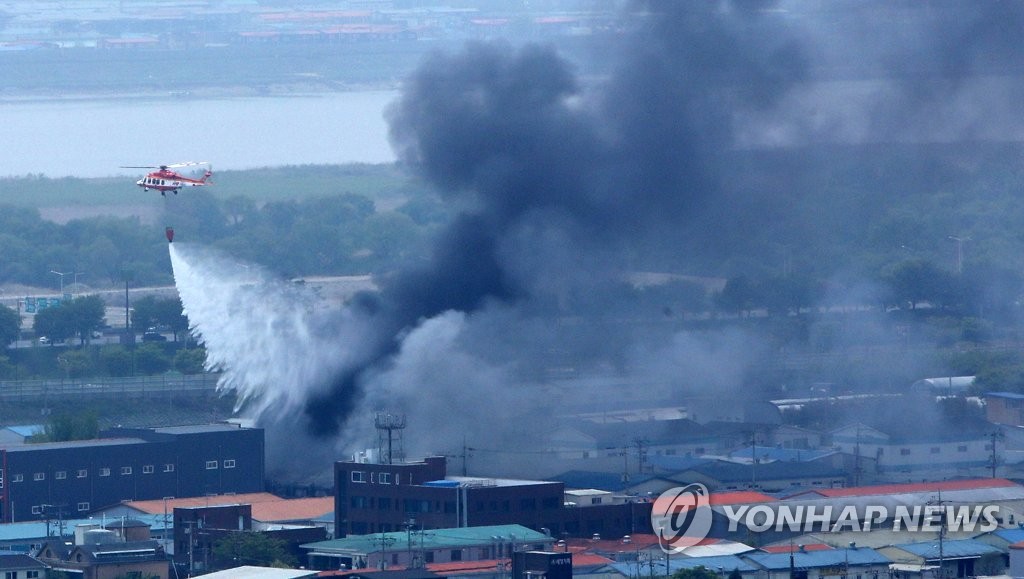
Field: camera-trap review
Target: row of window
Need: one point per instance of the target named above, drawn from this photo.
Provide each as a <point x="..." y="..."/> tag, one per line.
<point x="105" y="471"/>
<point x="383" y="478"/>
<point x="14" y="574"/>
<point x="41" y="509"/>
<point x="938" y="449"/>
<point x="931" y="450"/>
<point x="422" y="506"/>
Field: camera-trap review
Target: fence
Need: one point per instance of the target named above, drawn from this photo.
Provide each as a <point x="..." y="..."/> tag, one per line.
<point x="134" y="387"/>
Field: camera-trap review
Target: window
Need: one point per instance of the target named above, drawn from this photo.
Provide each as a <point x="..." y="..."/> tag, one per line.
<point x="168" y="468"/>
<point x="456" y="555"/>
<point x="60" y="475"/>
<point x="147" y="469"/>
<point x="211" y="464"/>
<point x="17" y="477"/>
<point x="229" y="463"/>
<point x="37" y="509"/>
<point x="384" y="478"/>
<point x="32" y="574"/>
<point x="935" y="450"/>
<point x="961" y="448"/>
<point x="104" y="471"/>
<point x="39" y="476"/>
<point x="82" y="473"/>
<point x="83" y="506"/>
<point x="358" y="476"/>
<point x="126" y="470"/>
<point x="904" y="451"/>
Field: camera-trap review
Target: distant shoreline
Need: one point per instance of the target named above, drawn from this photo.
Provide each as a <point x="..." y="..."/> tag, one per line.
<point x="200" y="93"/>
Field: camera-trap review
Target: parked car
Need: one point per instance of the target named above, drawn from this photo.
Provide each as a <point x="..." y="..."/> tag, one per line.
<point x="44" y="340"/>
<point x="154" y="337"/>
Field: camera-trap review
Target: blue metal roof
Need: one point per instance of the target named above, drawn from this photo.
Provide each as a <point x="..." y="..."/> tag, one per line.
<point x="27" y="430"/>
<point x="727" y="563"/>
<point x="1010" y="535"/>
<point x="950" y="549"/>
<point x="823" y="558"/>
<point x="582" y="479"/>
<point x="35" y="529"/>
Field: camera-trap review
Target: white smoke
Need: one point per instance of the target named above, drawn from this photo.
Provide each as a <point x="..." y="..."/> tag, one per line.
<point x="262" y="334"/>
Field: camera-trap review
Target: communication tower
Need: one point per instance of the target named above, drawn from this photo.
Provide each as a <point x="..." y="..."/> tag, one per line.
<point x="389" y="432"/>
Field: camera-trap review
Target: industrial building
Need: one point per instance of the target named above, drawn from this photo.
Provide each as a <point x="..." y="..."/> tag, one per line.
<point x="387" y="497"/>
<point x="63" y="480"/>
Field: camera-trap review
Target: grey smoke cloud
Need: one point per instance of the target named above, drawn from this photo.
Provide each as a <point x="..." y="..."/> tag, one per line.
<point x="565" y="184"/>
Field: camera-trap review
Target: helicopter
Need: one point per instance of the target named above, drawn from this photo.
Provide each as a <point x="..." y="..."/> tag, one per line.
<point x="167" y="178"/>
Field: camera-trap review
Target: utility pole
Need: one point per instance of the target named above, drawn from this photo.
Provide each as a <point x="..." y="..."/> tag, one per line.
<point x="753" y="459"/>
<point x="641" y="453"/>
<point x="941" y="517"/>
<point x="465" y="455"/>
<point x="856" y="459"/>
<point x="994" y="436"/>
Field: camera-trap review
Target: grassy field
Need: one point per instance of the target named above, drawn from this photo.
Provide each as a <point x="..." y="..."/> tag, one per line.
<point x="384" y="184"/>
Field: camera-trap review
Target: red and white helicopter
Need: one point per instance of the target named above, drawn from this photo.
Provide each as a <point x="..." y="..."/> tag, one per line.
<point x="167" y="178"/>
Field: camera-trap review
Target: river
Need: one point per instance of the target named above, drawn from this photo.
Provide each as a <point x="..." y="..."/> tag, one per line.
<point x="95" y="137"/>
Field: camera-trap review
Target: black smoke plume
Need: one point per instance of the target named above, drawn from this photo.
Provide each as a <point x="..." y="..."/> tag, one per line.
<point x="565" y="184"/>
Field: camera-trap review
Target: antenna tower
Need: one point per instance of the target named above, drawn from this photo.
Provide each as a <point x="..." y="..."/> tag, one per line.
<point x="389" y="431"/>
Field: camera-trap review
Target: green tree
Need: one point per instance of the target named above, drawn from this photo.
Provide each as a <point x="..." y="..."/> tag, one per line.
<point x="913" y="281"/>
<point x="10" y="325"/>
<point x="251" y="548"/>
<point x="116" y="360"/>
<point x="190" y="360"/>
<point x="7" y="369"/>
<point x="698" y="572"/>
<point x="54" y="323"/>
<point x="87" y="315"/>
<point x="75" y="363"/>
<point x="64" y="427"/>
<point x="151" y="359"/>
<point x="150" y="311"/>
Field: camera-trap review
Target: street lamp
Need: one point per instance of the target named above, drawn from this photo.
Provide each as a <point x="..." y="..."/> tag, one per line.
<point x="959" y="251"/>
<point x="61" y="274"/>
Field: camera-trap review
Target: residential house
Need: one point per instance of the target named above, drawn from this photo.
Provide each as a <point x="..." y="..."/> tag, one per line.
<point x="415" y="548"/>
<point x="102" y="554"/>
<point x="21" y="566"/>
